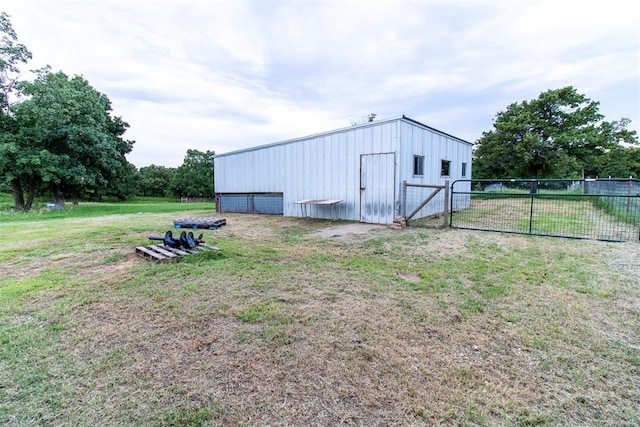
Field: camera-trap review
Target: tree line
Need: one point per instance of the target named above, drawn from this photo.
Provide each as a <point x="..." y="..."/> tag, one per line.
<point x="194" y="178"/>
<point x="59" y="137"/>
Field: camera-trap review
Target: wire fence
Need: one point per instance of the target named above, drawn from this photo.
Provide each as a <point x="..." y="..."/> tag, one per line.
<point x="607" y="209"/>
<point x="263" y="203"/>
<point x="425" y="201"/>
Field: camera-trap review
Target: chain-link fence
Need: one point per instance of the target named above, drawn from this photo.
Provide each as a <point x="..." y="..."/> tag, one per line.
<point x="607" y="209"/>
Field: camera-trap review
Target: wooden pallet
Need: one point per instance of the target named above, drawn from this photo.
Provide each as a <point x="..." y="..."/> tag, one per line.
<point x="199" y="222"/>
<point x="161" y="253"/>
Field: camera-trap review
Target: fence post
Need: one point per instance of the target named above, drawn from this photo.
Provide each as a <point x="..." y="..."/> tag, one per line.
<point x="629" y="187"/>
<point x="531" y="213"/>
<point x="404" y="199"/>
<point x="446" y="203"/>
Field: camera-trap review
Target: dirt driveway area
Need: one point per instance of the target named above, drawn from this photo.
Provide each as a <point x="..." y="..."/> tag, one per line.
<point x="347" y="232"/>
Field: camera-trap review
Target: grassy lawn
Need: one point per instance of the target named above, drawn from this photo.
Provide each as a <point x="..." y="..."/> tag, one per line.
<point x="89" y="209"/>
<point x="569" y="217"/>
<point x="408" y="327"/>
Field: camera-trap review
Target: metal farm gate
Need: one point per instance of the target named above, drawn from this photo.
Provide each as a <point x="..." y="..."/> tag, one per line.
<point x="600" y="209"/>
<point x="424" y="202"/>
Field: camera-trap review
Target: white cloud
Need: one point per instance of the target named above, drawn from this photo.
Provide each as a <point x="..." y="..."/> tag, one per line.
<point x="232" y="74"/>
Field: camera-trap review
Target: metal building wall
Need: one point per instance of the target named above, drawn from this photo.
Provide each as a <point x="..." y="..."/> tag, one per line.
<point x="328" y="166"/>
<point x="324" y="166"/>
<point x="435" y="146"/>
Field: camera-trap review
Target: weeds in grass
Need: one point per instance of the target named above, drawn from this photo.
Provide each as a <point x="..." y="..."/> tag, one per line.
<point x="190" y="417"/>
<point x="258" y="312"/>
<point x="92" y="209"/>
<point x="408" y="327"/>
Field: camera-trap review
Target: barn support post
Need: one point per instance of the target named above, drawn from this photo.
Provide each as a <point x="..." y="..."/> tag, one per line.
<point x="404" y="199"/>
<point x="446" y="204"/>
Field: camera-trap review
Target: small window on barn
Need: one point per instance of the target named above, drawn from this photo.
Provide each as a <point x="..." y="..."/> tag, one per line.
<point x="418" y="165"/>
<point x="464" y="169"/>
<point x="444" y="170"/>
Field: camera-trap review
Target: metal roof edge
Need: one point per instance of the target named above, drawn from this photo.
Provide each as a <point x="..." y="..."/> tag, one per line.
<point x="409" y="119"/>
<point x="339" y="130"/>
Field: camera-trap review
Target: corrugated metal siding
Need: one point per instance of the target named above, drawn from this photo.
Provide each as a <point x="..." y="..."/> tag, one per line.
<point x="435" y="147"/>
<point x="250" y="203"/>
<point x="327" y="166"/>
<point x="377" y="180"/>
<point x="323" y="167"/>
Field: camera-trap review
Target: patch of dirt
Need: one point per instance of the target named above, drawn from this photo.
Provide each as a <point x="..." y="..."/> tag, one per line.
<point x="351" y="232"/>
<point x="409" y="276"/>
<point x="339" y="338"/>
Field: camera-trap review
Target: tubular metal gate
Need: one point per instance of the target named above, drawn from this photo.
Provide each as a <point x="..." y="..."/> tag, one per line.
<point x="602" y="209"/>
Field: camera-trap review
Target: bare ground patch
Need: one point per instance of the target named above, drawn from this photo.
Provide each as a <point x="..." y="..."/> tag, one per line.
<point x="288" y="329"/>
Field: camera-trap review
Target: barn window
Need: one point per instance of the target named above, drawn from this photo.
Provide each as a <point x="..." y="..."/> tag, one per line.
<point x="464" y="169"/>
<point x="444" y="170"/>
<point x="418" y="165"/>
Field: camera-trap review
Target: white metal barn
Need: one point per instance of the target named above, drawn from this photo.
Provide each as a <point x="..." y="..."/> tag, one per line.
<point x="354" y="173"/>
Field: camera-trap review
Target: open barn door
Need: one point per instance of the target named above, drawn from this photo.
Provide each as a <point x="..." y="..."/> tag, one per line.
<point x="377" y="188"/>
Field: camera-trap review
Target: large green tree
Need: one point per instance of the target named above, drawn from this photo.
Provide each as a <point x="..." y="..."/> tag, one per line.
<point x="620" y="162"/>
<point x="561" y="133"/>
<point x="155" y="180"/>
<point x="124" y="185"/>
<point x="12" y="54"/>
<point x="63" y="140"/>
<point x="194" y="178"/>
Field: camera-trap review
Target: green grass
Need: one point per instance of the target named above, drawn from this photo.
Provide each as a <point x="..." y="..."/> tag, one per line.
<point x="546" y="214"/>
<point x="92" y="209"/>
<point x="13" y="290"/>
<point x="190" y="417"/>
<point x="623" y="209"/>
<point x="407" y="327"/>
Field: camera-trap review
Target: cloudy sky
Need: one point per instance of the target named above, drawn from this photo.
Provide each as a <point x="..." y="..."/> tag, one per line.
<point x="225" y="75"/>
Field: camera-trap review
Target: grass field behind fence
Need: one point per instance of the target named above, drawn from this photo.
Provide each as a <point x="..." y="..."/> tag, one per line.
<point x="390" y="327"/>
<point x="552" y="213"/>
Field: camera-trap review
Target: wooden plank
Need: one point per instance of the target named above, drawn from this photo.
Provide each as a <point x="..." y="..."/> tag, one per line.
<point x="191" y="250"/>
<point x="169" y="251"/>
<point x="425" y="185"/>
<point x="145" y="252"/>
<point x="148" y="253"/>
<point x="424" y="203"/>
<point x="161" y="253"/>
<point x="210" y="247"/>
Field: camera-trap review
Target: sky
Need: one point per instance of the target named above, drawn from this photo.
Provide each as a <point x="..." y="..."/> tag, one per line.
<point x="227" y="75"/>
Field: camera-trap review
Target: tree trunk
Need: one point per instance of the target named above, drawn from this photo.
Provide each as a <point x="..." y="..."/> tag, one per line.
<point x="18" y="195"/>
<point x="31" y="194"/>
<point x="76" y="198"/>
<point x="534" y="183"/>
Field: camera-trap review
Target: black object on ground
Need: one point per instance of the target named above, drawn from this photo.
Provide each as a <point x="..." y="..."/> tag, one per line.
<point x="185" y="240"/>
<point x="173" y="249"/>
<point x="168" y="240"/>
